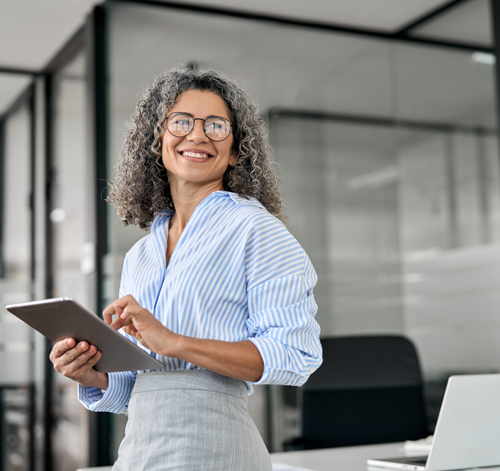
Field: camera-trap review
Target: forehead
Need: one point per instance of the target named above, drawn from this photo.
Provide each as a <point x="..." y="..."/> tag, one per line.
<point x="201" y="103"/>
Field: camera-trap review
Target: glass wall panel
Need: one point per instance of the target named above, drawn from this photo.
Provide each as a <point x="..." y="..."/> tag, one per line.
<point x="70" y="219"/>
<point x="17" y="341"/>
<point x="442" y="86"/>
<point x="41" y="257"/>
<point x="283" y="67"/>
<point x="449" y="189"/>
<point x="339" y="183"/>
<point x="277" y="64"/>
<point x="389" y="163"/>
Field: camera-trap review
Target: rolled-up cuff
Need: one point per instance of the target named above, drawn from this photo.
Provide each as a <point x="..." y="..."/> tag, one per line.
<point x="277" y="365"/>
<point x="114" y="399"/>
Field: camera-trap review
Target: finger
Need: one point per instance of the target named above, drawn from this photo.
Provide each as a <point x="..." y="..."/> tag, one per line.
<point x="72" y="359"/>
<point x="85" y="359"/>
<point x="72" y="354"/>
<point x="94" y="359"/>
<point x="109" y="312"/>
<point x="128" y="316"/>
<point x="119" y="323"/>
<point x="61" y="347"/>
<point x="131" y="330"/>
<point x="129" y="299"/>
<point x="117" y="307"/>
<point x="125" y="301"/>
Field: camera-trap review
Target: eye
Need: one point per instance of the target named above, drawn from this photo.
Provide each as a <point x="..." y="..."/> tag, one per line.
<point x="181" y="121"/>
<point x="216" y="126"/>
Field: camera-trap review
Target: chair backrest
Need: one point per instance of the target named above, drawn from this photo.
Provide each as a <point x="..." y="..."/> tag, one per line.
<point x="368" y="390"/>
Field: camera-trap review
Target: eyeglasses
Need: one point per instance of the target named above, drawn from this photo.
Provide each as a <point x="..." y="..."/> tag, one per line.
<point x="216" y="128"/>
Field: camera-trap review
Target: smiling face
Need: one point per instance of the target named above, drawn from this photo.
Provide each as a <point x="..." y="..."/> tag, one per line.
<point x="195" y="161"/>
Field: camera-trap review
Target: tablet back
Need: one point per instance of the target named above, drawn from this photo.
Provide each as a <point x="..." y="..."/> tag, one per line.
<point x="61" y="318"/>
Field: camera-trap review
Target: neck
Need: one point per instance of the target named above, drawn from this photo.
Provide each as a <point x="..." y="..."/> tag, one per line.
<point x="186" y="198"/>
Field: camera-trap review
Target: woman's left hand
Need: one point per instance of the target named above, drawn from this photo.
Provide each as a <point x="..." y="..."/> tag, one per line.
<point x="139" y="323"/>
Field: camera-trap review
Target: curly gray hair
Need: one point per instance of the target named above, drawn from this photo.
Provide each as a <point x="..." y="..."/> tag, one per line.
<point x="140" y="186"/>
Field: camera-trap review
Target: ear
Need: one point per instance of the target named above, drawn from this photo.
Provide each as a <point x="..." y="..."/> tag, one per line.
<point x="164" y="130"/>
<point x="233" y="157"/>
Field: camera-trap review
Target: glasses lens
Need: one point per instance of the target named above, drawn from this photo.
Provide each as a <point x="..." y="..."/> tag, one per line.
<point x="217" y="128"/>
<point x="180" y="124"/>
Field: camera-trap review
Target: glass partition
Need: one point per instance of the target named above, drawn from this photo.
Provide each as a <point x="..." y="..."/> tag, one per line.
<point x="71" y="223"/>
<point x="17" y="341"/>
<point x="339" y="182"/>
<point x="282" y="67"/>
<point x="389" y="163"/>
<point x="449" y="194"/>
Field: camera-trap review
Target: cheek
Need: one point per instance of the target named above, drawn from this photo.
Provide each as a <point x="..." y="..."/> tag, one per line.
<point x="168" y="145"/>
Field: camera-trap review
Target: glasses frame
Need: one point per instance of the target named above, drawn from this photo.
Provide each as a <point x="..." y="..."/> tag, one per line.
<point x="194" y="123"/>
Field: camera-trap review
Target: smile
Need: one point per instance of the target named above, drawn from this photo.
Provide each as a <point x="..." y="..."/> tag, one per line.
<point x="196" y="155"/>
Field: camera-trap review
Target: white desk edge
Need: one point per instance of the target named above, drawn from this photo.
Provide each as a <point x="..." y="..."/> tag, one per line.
<point x="344" y="459"/>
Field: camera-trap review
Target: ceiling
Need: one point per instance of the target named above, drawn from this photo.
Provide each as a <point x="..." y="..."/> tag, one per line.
<point x="388" y="16"/>
<point x="34" y="31"/>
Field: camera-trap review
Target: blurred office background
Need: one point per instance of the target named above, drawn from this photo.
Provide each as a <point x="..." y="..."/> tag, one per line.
<point x="383" y="118"/>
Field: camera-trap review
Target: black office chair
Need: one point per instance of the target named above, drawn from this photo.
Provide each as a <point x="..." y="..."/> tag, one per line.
<point x="368" y="390"/>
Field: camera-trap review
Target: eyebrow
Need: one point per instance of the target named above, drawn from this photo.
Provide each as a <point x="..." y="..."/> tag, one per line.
<point x="192" y="115"/>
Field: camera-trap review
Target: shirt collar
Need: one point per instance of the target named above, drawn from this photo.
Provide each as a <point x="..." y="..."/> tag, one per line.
<point x="165" y="214"/>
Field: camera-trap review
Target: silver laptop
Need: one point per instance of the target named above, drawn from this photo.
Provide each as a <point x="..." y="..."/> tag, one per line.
<point x="467" y="433"/>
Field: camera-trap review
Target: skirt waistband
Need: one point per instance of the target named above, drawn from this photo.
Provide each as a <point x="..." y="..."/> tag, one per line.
<point x="190" y="379"/>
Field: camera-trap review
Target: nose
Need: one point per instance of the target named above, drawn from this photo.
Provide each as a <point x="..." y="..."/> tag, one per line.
<point x="198" y="133"/>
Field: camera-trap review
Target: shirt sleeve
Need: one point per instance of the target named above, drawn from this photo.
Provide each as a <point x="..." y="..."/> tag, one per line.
<point x="120" y="384"/>
<point x="282" y="309"/>
<point x="114" y="399"/>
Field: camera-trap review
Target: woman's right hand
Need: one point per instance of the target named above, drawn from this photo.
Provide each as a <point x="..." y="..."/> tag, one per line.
<point x="76" y="361"/>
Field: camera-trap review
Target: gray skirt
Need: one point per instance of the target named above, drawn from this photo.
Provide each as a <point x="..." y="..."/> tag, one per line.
<point x="190" y="420"/>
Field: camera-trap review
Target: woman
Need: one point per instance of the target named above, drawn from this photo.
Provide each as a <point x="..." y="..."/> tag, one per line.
<point x="219" y="291"/>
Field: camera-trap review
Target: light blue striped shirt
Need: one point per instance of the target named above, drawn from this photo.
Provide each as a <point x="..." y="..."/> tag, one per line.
<point x="236" y="274"/>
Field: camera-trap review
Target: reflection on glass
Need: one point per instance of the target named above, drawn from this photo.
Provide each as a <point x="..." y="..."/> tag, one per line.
<point x="341" y="180"/>
<point x="449" y="208"/>
<point x="449" y="197"/>
<point x="340" y="186"/>
<point x="443" y="86"/>
<point x="70" y="217"/>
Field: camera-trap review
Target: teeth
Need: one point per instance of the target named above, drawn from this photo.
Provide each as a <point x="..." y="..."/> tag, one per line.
<point x="195" y="154"/>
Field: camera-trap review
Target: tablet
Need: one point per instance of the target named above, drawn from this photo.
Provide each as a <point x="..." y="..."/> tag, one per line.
<point x="61" y="318"/>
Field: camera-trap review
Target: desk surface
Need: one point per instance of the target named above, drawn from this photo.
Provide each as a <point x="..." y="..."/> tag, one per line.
<point x="342" y="459"/>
